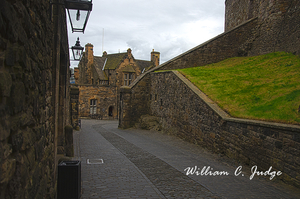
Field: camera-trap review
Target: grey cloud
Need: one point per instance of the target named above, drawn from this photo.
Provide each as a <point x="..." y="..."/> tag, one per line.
<point x="165" y="25"/>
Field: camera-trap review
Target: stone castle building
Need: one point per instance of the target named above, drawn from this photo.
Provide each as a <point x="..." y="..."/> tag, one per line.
<point x="252" y="27"/>
<point x="99" y="79"/>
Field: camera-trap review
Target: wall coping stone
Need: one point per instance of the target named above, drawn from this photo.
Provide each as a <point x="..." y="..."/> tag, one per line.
<point x="92" y="85"/>
<point x="125" y="89"/>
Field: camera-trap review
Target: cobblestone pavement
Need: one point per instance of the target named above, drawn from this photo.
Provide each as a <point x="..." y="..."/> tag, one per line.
<point x="146" y="164"/>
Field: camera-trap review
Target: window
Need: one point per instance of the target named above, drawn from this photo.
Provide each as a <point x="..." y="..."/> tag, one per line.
<point x="128" y="78"/>
<point x="93" y="107"/>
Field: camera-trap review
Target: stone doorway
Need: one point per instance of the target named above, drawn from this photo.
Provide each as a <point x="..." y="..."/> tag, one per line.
<point x="110" y="111"/>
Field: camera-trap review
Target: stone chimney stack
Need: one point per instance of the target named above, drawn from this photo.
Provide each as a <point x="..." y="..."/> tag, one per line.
<point x="129" y="53"/>
<point x="155" y="57"/>
<point x="89" y="53"/>
<point x="89" y="61"/>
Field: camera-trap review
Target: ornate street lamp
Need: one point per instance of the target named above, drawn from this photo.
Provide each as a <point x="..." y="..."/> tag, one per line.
<point x="79" y="12"/>
<point x="77" y="50"/>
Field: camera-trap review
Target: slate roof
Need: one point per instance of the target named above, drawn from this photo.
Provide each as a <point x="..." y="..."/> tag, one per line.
<point x="114" y="60"/>
<point x="144" y="65"/>
<point x="129" y="69"/>
<point x="98" y="64"/>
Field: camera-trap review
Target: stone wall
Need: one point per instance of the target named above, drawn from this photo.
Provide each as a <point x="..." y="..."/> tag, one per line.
<point x="188" y="113"/>
<point x="239" y="11"/>
<point x="279" y="27"/>
<point x="74" y="109"/>
<point x="105" y="96"/>
<point x="134" y="101"/>
<point x="278" y="23"/>
<point x="33" y="91"/>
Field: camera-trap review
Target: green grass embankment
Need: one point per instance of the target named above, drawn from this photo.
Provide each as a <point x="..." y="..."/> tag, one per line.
<point x="265" y="87"/>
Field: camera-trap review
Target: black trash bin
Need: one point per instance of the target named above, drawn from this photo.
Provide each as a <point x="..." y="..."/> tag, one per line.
<point x="69" y="180"/>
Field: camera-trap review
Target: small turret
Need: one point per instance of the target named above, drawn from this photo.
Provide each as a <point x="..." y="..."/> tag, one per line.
<point x="155" y="57"/>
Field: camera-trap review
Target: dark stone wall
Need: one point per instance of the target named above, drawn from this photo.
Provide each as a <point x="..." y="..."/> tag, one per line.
<point x="134" y="101"/>
<point x="278" y="26"/>
<point x="30" y="85"/>
<point x="74" y="104"/>
<point x="239" y="11"/>
<point x="187" y="113"/>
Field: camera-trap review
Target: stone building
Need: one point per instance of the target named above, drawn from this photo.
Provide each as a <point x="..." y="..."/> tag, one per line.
<point x="100" y="78"/>
<point x="34" y="96"/>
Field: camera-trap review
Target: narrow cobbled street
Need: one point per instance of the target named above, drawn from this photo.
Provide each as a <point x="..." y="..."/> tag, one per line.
<point x="136" y="163"/>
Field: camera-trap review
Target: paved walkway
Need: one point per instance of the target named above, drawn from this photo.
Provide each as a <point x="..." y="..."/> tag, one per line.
<point x="141" y="164"/>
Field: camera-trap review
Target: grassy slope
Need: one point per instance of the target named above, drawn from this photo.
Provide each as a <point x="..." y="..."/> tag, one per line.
<point x="265" y="87"/>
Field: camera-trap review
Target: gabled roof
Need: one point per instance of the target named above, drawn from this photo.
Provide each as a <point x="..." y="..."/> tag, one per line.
<point x="129" y="69"/>
<point x="144" y="64"/>
<point x="98" y="64"/>
<point x="114" y="60"/>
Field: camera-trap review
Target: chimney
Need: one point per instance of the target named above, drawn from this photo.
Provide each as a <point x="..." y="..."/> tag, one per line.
<point x="155" y="57"/>
<point x="89" y="61"/>
<point x="89" y="53"/>
<point x="129" y="53"/>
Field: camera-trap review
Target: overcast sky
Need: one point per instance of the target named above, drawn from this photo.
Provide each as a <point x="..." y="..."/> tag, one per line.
<point x="170" y="27"/>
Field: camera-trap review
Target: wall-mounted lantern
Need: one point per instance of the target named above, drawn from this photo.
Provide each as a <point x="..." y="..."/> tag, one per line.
<point x="77" y="50"/>
<point x="79" y="12"/>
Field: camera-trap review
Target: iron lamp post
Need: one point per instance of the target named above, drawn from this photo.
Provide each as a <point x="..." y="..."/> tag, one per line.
<point x="77" y="50"/>
<point x="79" y="12"/>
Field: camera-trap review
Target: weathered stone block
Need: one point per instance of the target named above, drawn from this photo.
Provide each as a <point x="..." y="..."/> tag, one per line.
<point x="17" y="141"/>
<point x="69" y="150"/>
<point x="30" y="154"/>
<point x="10" y="56"/>
<point x="4" y="128"/>
<point x="6" y="150"/>
<point x="5" y="84"/>
<point x="39" y="149"/>
<point x="8" y="168"/>
<point x="28" y="139"/>
<point x="18" y="96"/>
